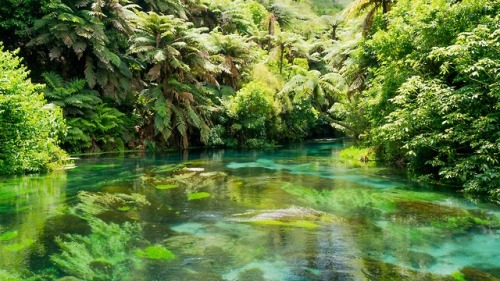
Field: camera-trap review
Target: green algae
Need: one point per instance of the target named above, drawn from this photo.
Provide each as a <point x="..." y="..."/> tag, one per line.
<point x="376" y="270"/>
<point x="441" y="216"/>
<point x="8" y="235"/>
<point x="127" y="208"/>
<point x="156" y="252"/>
<point x="7" y="276"/>
<point x="166" y="186"/>
<point x="198" y="195"/>
<point x="347" y="200"/>
<point x="15" y="247"/>
<point x="472" y="274"/>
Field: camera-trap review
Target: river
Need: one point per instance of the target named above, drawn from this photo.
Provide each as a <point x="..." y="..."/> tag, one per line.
<point x="292" y="213"/>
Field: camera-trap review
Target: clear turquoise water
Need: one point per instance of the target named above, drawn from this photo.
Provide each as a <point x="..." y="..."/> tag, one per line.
<point x="293" y="213"/>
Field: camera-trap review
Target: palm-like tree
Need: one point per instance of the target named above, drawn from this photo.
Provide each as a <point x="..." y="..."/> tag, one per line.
<point x="234" y="17"/>
<point x="171" y="6"/>
<point x="177" y="63"/>
<point x="91" y="34"/>
<point x="321" y="92"/>
<point x="318" y="88"/>
<point x="233" y="53"/>
<point x="289" y="45"/>
<point x="359" y="6"/>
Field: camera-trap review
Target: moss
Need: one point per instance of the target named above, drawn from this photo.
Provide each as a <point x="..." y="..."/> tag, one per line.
<point x="156" y="253"/>
<point x="198" y="195"/>
<point x="166" y="186"/>
<point x="8" y="235"/>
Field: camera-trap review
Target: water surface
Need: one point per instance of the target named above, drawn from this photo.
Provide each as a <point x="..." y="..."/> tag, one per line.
<point x="293" y="213"/>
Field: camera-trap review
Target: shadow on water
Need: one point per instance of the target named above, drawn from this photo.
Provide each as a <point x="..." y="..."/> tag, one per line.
<point x="290" y="213"/>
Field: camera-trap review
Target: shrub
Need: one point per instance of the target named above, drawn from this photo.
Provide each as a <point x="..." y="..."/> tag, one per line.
<point x="29" y="126"/>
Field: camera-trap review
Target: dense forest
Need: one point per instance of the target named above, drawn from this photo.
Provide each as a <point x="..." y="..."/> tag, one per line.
<point x="415" y="81"/>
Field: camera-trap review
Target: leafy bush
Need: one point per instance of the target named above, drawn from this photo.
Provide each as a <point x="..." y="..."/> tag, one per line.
<point x="29" y="126"/>
<point x="253" y="115"/>
<point x="92" y="124"/>
<point x="435" y="97"/>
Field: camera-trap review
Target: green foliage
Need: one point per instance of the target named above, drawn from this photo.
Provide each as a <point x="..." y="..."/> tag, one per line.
<point x="73" y="97"/>
<point x="252" y="115"/>
<point x="30" y="127"/>
<point x="174" y="98"/>
<point x="436" y="96"/>
<point x="156" y="252"/>
<point x="93" y="125"/>
<point x="95" y="32"/>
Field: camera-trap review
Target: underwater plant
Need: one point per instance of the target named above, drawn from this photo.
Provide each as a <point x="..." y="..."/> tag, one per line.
<point x="156" y="252"/>
<point x="106" y="254"/>
<point x="95" y="203"/>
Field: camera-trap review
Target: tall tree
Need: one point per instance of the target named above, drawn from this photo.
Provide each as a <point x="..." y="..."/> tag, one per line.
<point x="177" y="64"/>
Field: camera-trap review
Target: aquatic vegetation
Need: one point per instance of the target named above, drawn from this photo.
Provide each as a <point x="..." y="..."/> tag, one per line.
<point x="472" y="274"/>
<point x="376" y="270"/>
<point x="156" y="252"/>
<point x="347" y="200"/>
<point x="198" y="195"/>
<point x="441" y="216"/>
<point x="106" y="254"/>
<point x="166" y="186"/>
<point x="14" y="247"/>
<point x="95" y="203"/>
<point x="167" y="168"/>
<point x="294" y="216"/>
<point x="7" y="276"/>
<point x="8" y="235"/>
<point x="251" y="274"/>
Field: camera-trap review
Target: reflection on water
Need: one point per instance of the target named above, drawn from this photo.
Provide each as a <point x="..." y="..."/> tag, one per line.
<point x="295" y="213"/>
